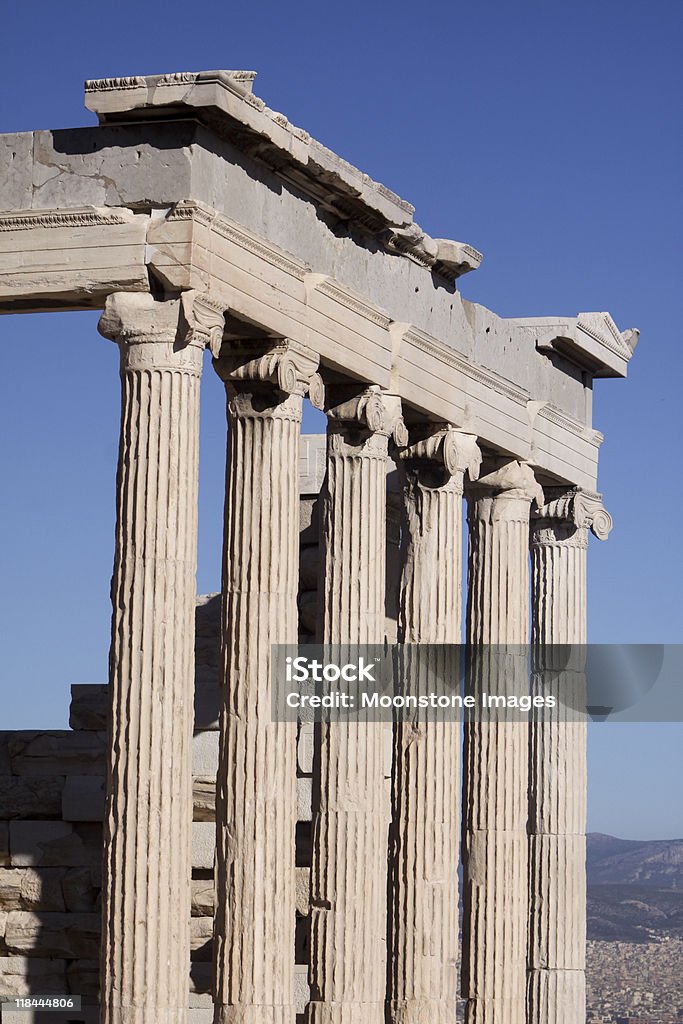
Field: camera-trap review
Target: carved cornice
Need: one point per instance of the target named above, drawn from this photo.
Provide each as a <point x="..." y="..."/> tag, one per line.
<point x="602" y="328"/>
<point x="224" y="101"/>
<point x="285" y="365"/>
<point x="93" y="85"/>
<point x="276" y="257"/>
<point x="562" y="419"/>
<point x="583" y="509"/>
<point x="335" y="291"/>
<point x="84" y="217"/>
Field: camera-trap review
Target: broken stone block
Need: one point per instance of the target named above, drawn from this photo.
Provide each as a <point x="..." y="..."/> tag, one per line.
<point x="83" y="798"/>
<point x="304" y="799"/>
<point x="22" y="976"/>
<point x="89" y="706"/>
<point x="303" y="877"/>
<point x="58" y="752"/>
<point x="302" y="992"/>
<point x="203" y="844"/>
<point x="203" y="900"/>
<point x="201" y="938"/>
<point x="83" y="977"/>
<point x="38" y="796"/>
<point x="55" y="844"/>
<point x="4" y="844"/>
<point x="304" y="749"/>
<point x="205" y="754"/>
<point x="29" y="889"/>
<point x="82" y="890"/>
<point x="59" y="935"/>
<point x="204" y="798"/>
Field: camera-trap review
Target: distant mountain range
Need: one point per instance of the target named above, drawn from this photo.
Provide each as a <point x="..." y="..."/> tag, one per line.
<point x="635" y="889"/>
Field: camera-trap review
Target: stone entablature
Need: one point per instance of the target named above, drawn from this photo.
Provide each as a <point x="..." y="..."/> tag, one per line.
<point x="192" y="203"/>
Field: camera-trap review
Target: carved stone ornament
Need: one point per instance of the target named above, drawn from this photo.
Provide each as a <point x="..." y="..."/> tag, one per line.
<point x="455" y="451"/>
<point x="205" y="319"/>
<point x="367" y="409"/>
<point x="286" y="365"/>
<point x="584" y="509"/>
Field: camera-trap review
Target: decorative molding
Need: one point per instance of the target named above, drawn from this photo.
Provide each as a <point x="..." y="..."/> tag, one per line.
<point x="189" y="209"/>
<point x="335" y="291"/>
<point x="178" y="78"/>
<point x="77" y="218"/>
<point x="276" y="257"/>
<point x="562" y="419"/>
<point x="114" y="84"/>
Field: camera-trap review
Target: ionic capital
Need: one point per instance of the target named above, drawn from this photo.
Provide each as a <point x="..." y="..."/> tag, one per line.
<point x="361" y="423"/>
<point x="282" y="366"/>
<point x="447" y="450"/>
<point x="365" y="410"/>
<point x="575" y="508"/>
<point x="161" y="333"/>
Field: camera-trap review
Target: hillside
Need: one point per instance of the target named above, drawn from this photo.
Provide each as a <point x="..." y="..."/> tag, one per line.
<point x="635" y="889"/>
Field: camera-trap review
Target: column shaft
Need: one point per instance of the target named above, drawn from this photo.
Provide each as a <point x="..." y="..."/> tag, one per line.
<point x="256" y="787"/>
<point x="496" y="753"/>
<point x="558" y="778"/>
<point x="425" y="828"/>
<point x="148" y="820"/>
<point x="350" y="802"/>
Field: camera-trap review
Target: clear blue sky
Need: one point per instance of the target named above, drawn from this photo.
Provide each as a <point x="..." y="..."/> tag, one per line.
<point x="546" y="134"/>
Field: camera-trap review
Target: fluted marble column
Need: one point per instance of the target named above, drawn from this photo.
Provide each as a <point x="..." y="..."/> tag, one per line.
<point x="148" y="819"/>
<point x="256" y="786"/>
<point x="557" y="767"/>
<point x="425" y="828"/>
<point x="350" y="803"/>
<point x="496" y="753"/>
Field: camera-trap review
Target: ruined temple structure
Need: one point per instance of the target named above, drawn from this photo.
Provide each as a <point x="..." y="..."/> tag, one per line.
<point x="196" y="217"/>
